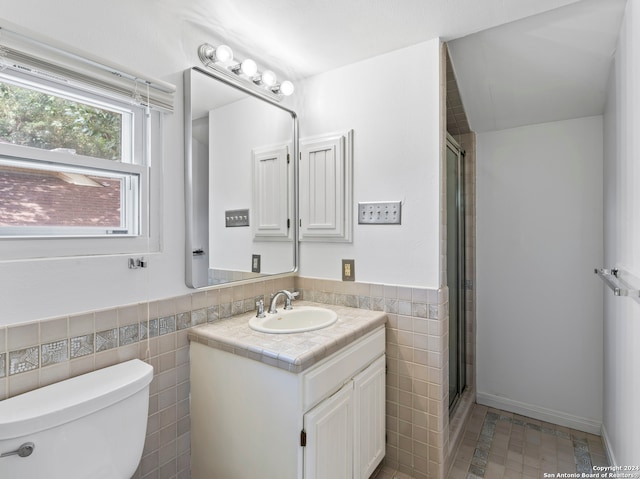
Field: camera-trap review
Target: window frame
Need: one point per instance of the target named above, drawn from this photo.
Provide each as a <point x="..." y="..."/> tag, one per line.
<point x="141" y="130"/>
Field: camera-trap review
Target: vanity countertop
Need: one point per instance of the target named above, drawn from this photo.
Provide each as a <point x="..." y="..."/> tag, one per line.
<point x="292" y="352"/>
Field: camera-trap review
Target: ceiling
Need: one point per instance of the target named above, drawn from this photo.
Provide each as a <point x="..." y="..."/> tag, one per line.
<point x="547" y="67"/>
<point x="306" y="37"/>
<point x="517" y="62"/>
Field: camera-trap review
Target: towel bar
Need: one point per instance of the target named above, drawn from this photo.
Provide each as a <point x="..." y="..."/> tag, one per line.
<point x="611" y="277"/>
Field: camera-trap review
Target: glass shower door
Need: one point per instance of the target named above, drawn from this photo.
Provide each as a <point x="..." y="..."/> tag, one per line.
<point x="455" y="270"/>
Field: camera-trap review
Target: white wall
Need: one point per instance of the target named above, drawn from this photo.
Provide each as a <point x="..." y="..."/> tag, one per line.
<point x="539" y="305"/>
<point x="396" y="122"/>
<point x="160" y="43"/>
<point x="622" y="245"/>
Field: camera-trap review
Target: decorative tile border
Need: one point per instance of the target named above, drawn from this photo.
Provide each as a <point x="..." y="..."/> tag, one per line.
<point x="149" y="329"/>
<point x="129" y="334"/>
<point x="106" y="340"/>
<point x="24" y="360"/>
<point x="391" y="305"/>
<point x="82" y="346"/>
<point x="219" y="305"/>
<point x="183" y="320"/>
<point x="55" y="352"/>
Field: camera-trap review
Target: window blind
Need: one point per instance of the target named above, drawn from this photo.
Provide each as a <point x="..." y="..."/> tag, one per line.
<point x="63" y="65"/>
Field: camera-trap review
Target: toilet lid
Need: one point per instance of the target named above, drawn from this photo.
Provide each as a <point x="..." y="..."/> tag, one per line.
<point x="71" y="399"/>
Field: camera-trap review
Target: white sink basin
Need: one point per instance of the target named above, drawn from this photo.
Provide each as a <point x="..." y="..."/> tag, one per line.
<point x="296" y="320"/>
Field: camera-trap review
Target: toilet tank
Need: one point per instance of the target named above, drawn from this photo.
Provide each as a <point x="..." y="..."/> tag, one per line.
<point x="91" y="426"/>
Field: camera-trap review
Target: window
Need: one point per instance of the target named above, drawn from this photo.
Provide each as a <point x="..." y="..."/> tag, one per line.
<point x="80" y="153"/>
<point x="69" y="162"/>
<point x="35" y="117"/>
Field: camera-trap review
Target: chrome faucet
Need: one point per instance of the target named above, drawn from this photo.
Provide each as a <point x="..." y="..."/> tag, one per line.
<point x="287" y="302"/>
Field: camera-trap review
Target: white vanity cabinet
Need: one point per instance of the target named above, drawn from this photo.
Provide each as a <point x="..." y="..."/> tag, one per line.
<point x="345" y="432"/>
<point x="250" y="419"/>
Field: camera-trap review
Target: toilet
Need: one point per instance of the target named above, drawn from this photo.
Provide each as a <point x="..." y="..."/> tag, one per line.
<point x="91" y="426"/>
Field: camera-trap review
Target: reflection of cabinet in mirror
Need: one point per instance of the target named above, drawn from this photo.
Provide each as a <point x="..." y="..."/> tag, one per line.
<point x="272" y="202"/>
<point x="326" y="187"/>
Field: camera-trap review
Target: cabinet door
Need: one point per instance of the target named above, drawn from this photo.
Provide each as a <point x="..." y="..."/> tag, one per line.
<point x="326" y="192"/>
<point x="369" y="398"/>
<point x="329" y="427"/>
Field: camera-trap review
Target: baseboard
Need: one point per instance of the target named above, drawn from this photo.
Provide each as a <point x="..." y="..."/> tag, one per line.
<point x="607" y="447"/>
<point x="543" y="414"/>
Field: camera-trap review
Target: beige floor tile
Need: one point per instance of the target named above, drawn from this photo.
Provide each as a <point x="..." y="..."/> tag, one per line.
<point x="514" y="465"/>
<point x="520" y="447"/>
<point x="494" y="470"/>
<point x="511" y="474"/>
<point x="458" y="473"/>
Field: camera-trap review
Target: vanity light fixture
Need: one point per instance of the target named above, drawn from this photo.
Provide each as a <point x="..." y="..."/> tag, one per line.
<point x="222" y="54"/>
<point x="243" y="73"/>
<point x="267" y="78"/>
<point x="286" y="88"/>
<point x="247" y="67"/>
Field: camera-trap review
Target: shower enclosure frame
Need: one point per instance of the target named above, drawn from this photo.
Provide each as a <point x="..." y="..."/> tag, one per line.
<point x="456" y="274"/>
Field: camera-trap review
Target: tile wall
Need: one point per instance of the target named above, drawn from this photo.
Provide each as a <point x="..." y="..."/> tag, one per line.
<point x="36" y="354"/>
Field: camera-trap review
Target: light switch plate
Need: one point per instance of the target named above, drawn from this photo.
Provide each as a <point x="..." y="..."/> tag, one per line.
<point x="380" y="212"/>
<point x="233" y="218"/>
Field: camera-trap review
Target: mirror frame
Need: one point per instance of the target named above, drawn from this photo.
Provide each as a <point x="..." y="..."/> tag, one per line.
<point x="189" y="178"/>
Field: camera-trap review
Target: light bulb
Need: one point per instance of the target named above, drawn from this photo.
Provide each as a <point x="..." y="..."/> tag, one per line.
<point x="223" y="54"/>
<point x="249" y="67"/>
<point x="286" y="88"/>
<point x="268" y="78"/>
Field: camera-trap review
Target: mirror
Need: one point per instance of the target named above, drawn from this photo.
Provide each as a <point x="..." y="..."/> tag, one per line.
<point x="240" y="182"/>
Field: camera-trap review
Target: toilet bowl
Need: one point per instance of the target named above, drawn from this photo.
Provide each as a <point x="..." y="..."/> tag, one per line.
<point x="91" y="426"/>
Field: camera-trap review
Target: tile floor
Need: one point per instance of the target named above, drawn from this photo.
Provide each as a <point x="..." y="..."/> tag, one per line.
<point x="389" y="473"/>
<point x="502" y="445"/>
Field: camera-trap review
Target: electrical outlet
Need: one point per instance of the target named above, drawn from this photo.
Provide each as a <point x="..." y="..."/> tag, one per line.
<point x="255" y="263"/>
<point x="348" y="270"/>
<point x="380" y="212"/>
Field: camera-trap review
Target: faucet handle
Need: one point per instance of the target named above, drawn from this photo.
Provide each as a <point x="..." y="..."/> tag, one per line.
<point x="260" y="309"/>
<point x="287" y="301"/>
